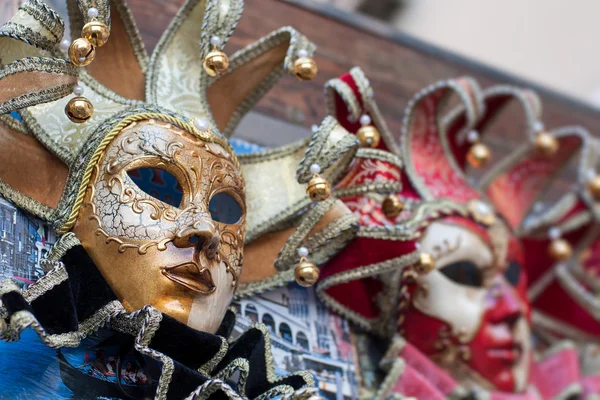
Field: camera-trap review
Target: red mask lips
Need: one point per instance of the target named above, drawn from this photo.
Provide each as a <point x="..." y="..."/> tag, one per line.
<point x="511" y="352"/>
<point x="192" y="276"/>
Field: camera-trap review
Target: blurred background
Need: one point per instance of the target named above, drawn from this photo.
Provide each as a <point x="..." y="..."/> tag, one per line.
<point x="550" y="42"/>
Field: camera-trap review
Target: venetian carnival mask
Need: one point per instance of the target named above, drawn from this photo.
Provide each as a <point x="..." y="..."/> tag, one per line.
<point x="432" y="261"/>
<point x="156" y="198"/>
<point x="470" y="313"/>
<point x="180" y="253"/>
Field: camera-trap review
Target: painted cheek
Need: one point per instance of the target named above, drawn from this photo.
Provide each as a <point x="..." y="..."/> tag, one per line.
<point x="495" y="370"/>
<point x="422" y="330"/>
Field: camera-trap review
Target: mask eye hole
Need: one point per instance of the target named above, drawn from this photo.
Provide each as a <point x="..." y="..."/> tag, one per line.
<point x="159" y="184"/>
<point x="225" y="209"/>
<point x="513" y="273"/>
<point x="464" y="272"/>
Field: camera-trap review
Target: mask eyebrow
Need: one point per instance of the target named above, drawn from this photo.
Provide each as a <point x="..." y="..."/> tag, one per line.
<point x="446" y="248"/>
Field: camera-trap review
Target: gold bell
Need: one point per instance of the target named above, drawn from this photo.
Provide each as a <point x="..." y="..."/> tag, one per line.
<point x="594" y="187"/>
<point x="319" y="188"/>
<point x="546" y="144"/>
<point x="306" y="273"/>
<point x="392" y="206"/>
<point x="215" y="63"/>
<point x="305" y="68"/>
<point x="479" y="155"/>
<point x="368" y="136"/>
<point x="560" y="249"/>
<point x="81" y="52"/>
<point x="96" y="33"/>
<point x="79" y="109"/>
<point x="426" y="263"/>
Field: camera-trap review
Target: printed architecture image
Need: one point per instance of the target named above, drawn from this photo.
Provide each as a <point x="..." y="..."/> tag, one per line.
<point x="305" y="335"/>
<point x="24" y="241"/>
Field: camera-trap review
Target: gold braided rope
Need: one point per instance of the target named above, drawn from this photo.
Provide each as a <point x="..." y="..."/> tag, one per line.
<point x="206" y="136"/>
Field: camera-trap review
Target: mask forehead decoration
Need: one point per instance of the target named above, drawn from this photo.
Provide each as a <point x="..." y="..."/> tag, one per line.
<point x="446" y="273"/>
<point x="146" y="192"/>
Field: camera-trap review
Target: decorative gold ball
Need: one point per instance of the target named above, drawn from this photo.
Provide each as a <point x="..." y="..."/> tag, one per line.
<point x="305" y="68"/>
<point x="215" y="63"/>
<point x="368" y="136"/>
<point x="81" y="52"/>
<point x="96" y="33"/>
<point x="560" y="250"/>
<point x="319" y="189"/>
<point x="79" y="109"/>
<point x="546" y="144"/>
<point x="392" y="206"/>
<point x="479" y="155"/>
<point x="594" y="187"/>
<point x="306" y="273"/>
<point x="426" y="263"/>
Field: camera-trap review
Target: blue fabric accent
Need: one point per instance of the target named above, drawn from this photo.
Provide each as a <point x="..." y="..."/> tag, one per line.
<point x="243" y="147"/>
<point x="16" y="116"/>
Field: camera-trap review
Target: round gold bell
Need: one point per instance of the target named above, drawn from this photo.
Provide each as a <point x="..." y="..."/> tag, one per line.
<point x="479" y="155"/>
<point x="319" y="189"/>
<point x="96" y="33"/>
<point x="593" y="186"/>
<point x="546" y="144"/>
<point x="81" y="52"/>
<point x="215" y="63"/>
<point x="368" y="136"/>
<point x="79" y="109"/>
<point x="392" y="206"/>
<point x="305" y="68"/>
<point x="426" y="263"/>
<point x="560" y="250"/>
<point x="306" y="273"/>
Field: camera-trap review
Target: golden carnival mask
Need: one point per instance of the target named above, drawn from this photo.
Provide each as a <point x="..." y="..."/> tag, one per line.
<point x="155" y="197"/>
<point x="181" y="254"/>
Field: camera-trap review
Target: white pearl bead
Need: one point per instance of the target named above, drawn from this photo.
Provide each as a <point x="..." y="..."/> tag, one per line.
<point x="554" y="232"/>
<point x="365" y="120"/>
<point x="92" y="12"/>
<point x="538" y="207"/>
<point x="302" y="53"/>
<point x="473" y="136"/>
<point x="201" y="123"/>
<point x="314" y="128"/>
<point x="303" y="252"/>
<point x="82" y="59"/>
<point x="315" y="168"/>
<point x="64" y="44"/>
<point x="538" y="126"/>
<point x="78" y="90"/>
<point x="483" y="208"/>
<point x="591" y="174"/>
<point x="215" y="41"/>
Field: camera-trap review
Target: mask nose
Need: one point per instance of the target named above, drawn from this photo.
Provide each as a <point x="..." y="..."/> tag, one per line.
<point x="506" y="305"/>
<point x="202" y="234"/>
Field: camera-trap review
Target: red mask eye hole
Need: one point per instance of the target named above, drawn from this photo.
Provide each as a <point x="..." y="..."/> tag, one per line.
<point x="513" y="273"/>
<point x="464" y="272"/>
